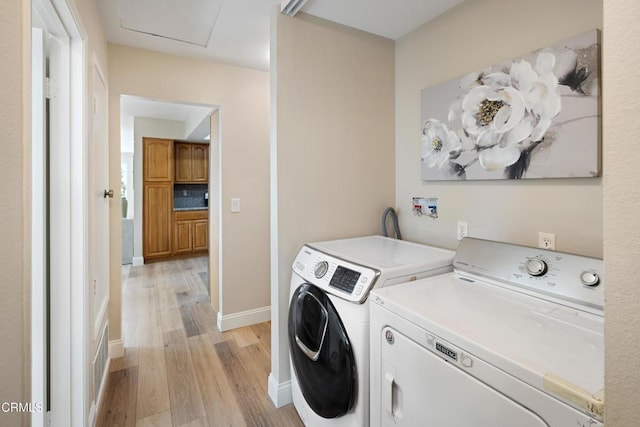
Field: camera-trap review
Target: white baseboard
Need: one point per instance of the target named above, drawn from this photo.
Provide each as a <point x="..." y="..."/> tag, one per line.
<point x="137" y="260"/>
<point x="116" y="349"/>
<point x="244" y="318"/>
<point x="280" y="393"/>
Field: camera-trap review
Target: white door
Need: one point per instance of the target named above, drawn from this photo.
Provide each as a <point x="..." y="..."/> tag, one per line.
<point x="420" y="388"/>
<point x="99" y="205"/>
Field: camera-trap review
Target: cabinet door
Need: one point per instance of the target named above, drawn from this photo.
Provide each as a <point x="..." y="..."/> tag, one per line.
<point x="200" y="163"/>
<point x="182" y="241"/>
<point x="183" y="162"/>
<point x="157" y="159"/>
<point x="200" y="235"/>
<point x="157" y="219"/>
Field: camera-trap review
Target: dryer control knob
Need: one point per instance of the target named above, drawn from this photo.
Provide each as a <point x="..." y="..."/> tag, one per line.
<point x="321" y="269"/>
<point x="536" y="267"/>
<point x="590" y="278"/>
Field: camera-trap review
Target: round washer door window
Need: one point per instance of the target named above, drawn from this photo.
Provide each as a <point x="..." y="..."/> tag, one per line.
<point x="321" y="353"/>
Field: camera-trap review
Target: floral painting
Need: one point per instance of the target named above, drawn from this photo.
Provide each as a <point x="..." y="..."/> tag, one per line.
<point x="537" y="116"/>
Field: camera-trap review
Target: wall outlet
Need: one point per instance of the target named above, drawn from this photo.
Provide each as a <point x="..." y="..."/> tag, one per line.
<point x="463" y="230"/>
<point x="546" y="240"/>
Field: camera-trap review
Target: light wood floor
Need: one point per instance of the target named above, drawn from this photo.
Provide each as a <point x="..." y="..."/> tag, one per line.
<point x="178" y="370"/>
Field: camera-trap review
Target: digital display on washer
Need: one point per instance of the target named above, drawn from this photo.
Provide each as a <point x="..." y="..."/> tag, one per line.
<point x="344" y="279"/>
<point x="449" y="353"/>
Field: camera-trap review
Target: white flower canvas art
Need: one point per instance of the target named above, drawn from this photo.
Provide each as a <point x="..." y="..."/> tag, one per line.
<point x="537" y="116"/>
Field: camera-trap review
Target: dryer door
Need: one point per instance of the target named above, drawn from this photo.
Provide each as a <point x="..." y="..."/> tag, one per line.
<point x="321" y="353"/>
<point x="419" y="388"/>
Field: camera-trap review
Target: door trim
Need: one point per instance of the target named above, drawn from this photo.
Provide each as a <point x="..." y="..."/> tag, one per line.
<point x="67" y="176"/>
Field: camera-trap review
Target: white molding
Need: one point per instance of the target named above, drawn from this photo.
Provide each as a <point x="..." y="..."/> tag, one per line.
<point x="38" y="226"/>
<point x="116" y="349"/>
<point x="96" y="405"/>
<point x="101" y="318"/>
<point x="280" y="393"/>
<point x="244" y="318"/>
<point x="137" y="261"/>
<point x="93" y="414"/>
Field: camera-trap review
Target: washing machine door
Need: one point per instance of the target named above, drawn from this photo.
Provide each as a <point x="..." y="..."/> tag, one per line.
<point x="321" y="353"/>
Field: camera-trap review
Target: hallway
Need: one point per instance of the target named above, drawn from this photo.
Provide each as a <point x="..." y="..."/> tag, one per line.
<point x="178" y="370"/>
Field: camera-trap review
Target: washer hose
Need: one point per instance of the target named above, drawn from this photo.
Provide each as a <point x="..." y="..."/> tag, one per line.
<point x="394" y="219"/>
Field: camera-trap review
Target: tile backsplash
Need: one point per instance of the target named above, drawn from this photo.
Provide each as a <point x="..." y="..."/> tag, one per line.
<point x="189" y="196"/>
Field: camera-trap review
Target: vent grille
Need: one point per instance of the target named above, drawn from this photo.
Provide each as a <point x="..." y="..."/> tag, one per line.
<point x="100" y="363"/>
<point x="291" y="7"/>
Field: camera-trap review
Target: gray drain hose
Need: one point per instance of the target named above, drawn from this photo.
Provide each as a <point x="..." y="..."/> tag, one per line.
<point x="394" y="219"/>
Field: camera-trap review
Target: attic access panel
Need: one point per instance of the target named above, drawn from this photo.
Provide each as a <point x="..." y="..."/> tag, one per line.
<point x="187" y="21"/>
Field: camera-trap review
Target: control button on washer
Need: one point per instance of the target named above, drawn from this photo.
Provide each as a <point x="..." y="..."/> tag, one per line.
<point x="364" y="279"/>
<point x="467" y="362"/>
<point x="358" y="289"/>
<point x="536" y="267"/>
<point x="321" y="269"/>
<point x="589" y="278"/>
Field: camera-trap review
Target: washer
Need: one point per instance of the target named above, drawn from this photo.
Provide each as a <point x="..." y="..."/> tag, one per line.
<point x="512" y="337"/>
<point x="329" y="320"/>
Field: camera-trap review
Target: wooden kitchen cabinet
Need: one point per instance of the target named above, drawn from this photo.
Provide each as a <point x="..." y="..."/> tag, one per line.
<point x="200" y="235"/>
<point x="183" y="237"/>
<point x="157" y="159"/>
<point x="157" y="220"/>
<point x="200" y="163"/>
<point x="191" y="162"/>
<point x="191" y="232"/>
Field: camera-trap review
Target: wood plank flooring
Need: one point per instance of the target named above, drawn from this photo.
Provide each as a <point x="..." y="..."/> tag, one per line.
<point x="178" y="369"/>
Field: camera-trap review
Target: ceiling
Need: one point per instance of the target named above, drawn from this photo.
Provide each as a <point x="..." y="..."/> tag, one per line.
<point x="196" y="118"/>
<point x="234" y="32"/>
<point x="237" y="31"/>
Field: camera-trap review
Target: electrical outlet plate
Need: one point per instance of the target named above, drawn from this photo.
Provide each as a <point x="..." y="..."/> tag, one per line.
<point x="546" y="240"/>
<point x="462" y="230"/>
<point x="235" y="205"/>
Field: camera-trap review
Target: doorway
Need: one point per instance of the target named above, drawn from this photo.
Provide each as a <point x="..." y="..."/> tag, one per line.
<point x="152" y="118"/>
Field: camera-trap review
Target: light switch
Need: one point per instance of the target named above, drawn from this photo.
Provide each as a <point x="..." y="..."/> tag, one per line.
<point x="235" y="205"/>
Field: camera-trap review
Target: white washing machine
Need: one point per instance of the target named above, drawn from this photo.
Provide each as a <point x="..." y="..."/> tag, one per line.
<point x="512" y="337"/>
<point x="329" y="320"/>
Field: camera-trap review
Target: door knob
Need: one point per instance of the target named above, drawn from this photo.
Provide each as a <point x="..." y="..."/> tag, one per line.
<point x="108" y="193"/>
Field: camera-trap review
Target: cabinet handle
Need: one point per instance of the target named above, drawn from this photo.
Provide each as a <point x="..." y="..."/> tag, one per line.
<point x="108" y="193"/>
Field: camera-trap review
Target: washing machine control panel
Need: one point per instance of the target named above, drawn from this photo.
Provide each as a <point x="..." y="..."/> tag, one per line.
<point x="575" y="279"/>
<point x="342" y="278"/>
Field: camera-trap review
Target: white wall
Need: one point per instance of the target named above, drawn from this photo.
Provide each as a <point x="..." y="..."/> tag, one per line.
<point x="151" y="128"/>
<point x="473" y="35"/>
<point x="621" y="59"/>
<point x="332" y="146"/>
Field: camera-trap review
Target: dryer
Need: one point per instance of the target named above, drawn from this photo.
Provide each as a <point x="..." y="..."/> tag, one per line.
<point x="329" y="320"/>
<point x="512" y="337"/>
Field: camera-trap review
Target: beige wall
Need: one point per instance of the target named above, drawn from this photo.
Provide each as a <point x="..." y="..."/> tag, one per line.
<point x="243" y="96"/>
<point x="14" y="193"/>
<point x="621" y="58"/>
<point x="473" y="35"/>
<point x="334" y="141"/>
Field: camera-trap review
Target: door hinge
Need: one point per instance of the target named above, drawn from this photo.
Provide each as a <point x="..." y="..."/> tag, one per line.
<point x="47" y="87"/>
<point x="50" y="87"/>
